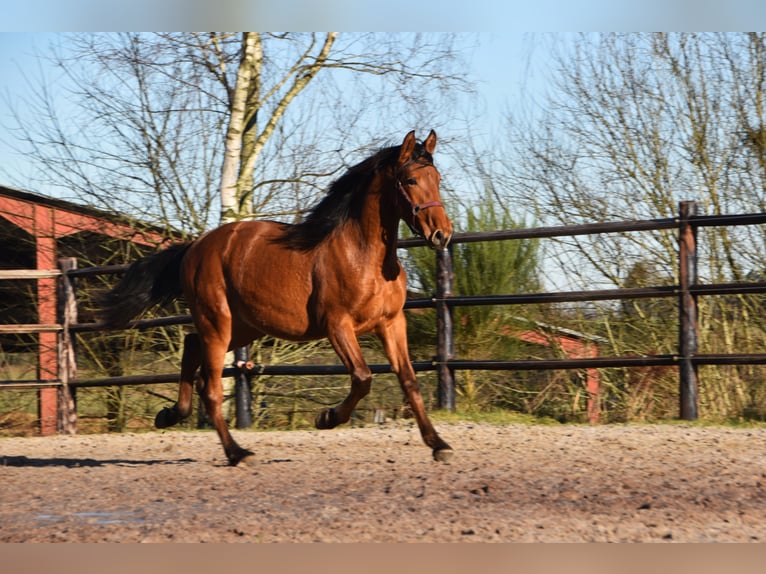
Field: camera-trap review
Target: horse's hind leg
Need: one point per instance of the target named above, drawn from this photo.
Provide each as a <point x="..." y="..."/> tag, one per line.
<point x="190" y="362"/>
<point x="214" y="349"/>
<point x="394" y="337"/>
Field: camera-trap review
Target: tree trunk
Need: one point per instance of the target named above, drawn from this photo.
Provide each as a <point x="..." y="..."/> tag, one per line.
<point x="231" y="207"/>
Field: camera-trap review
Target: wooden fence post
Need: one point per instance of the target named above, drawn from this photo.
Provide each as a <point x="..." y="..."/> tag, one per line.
<point x="688" y="330"/>
<point x="67" y="310"/>
<point x="446" y="338"/>
<point x="243" y="397"/>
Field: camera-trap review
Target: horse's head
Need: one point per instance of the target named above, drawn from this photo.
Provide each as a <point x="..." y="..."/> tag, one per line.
<point x="417" y="183"/>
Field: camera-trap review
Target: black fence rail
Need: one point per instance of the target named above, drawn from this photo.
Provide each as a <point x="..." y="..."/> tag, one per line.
<point x="687" y="358"/>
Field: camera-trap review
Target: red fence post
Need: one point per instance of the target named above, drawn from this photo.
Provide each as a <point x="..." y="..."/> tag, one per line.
<point x="688" y="329"/>
<point x="445" y="334"/>
<point x="46" y="313"/>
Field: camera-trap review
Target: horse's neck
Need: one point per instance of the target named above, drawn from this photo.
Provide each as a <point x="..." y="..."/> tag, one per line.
<point x="376" y="235"/>
<point x="387" y="237"/>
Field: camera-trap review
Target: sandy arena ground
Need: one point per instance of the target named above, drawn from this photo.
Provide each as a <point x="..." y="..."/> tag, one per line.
<point x="664" y="483"/>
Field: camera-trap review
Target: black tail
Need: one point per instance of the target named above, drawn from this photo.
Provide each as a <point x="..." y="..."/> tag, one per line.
<point x="152" y="280"/>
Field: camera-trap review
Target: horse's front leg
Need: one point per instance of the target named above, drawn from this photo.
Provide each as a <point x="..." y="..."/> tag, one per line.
<point x="346" y="345"/>
<point x="393" y="334"/>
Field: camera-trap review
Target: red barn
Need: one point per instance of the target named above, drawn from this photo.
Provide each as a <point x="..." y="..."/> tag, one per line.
<point x="35" y="231"/>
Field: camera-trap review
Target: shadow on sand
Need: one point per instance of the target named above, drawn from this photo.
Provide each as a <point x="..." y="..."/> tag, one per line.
<point x="23" y="461"/>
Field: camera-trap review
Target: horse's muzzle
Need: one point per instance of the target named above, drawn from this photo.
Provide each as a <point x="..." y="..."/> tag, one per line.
<point x="439" y="239"/>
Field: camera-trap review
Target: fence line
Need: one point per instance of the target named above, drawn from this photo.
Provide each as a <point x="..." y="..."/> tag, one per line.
<point x="445" y="364"/>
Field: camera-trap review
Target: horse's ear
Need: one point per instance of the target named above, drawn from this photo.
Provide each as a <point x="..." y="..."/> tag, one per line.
<point x="408" y="145"/>
<point x="430" y="143"/>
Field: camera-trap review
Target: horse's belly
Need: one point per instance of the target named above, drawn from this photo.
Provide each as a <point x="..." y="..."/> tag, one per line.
<point x="277" y="303"/>
<point x="279" y="319"/>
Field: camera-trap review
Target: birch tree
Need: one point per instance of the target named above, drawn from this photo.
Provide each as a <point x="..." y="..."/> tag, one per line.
<point x="244" y="143"/>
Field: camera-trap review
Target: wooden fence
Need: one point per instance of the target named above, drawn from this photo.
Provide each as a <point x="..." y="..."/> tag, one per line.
<point x="687" y="359"/>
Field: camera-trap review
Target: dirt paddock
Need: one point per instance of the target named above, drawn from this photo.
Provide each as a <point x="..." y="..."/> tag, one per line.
<point x="665" y="483"/>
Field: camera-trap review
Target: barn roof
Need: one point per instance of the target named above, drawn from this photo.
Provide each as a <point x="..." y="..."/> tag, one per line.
<point x="73" y="217"/>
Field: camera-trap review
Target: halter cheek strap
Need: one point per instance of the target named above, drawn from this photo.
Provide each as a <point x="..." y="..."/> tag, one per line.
<point x="416" y="207"/>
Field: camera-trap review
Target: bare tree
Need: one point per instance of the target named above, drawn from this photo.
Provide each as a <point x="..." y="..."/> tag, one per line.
<point x="636" y="123"/>
<point x="159" y="125"/>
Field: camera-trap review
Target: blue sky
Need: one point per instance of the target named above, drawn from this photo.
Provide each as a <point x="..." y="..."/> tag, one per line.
<point x="16" y="56"/>
<point x="505" y="62"/>
<point x="501" y="62"/>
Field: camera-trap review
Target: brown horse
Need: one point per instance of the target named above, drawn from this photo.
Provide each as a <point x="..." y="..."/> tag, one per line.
<point x="336" y="275"/>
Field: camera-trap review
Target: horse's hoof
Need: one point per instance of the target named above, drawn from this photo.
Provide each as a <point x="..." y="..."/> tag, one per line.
<point x="326" y="420"/>
<point x="249" y="460"/>
<point x="244" y="456"/>
<point x="167" y="417"/>
<point x="443" y="455"/>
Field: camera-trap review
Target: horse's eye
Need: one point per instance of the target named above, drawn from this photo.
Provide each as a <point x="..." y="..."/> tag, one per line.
<point x="410" y="181"/>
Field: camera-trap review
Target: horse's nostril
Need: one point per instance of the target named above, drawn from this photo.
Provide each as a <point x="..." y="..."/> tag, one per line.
<point x="439" y="239"/>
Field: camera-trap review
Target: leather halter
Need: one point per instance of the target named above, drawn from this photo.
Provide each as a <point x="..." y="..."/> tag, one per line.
<point x="416" y="207"/>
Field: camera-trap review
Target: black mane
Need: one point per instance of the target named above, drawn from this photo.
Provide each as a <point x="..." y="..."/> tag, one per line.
<point x="345" y="199"/>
